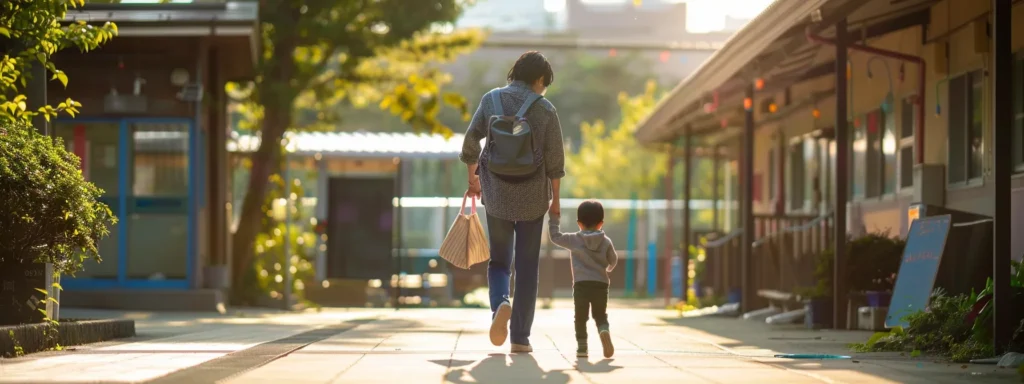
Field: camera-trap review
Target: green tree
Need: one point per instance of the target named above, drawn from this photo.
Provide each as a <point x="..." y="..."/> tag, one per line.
<point x="30" y="34"/>
<point x="320" y="54"/>
<point x="611" y="163"/>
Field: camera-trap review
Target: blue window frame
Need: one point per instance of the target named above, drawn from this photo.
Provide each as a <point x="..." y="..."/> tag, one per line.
<point x="127" y="203"/>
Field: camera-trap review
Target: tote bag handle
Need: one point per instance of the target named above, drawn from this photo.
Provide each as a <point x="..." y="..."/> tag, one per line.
<point x="463" y="209"/>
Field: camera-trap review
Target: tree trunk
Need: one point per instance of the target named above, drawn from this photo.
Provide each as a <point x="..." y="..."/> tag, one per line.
<point x="276" y="119"/>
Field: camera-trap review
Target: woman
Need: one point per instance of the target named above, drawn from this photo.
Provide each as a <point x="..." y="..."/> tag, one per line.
<point x="516" y="207"/>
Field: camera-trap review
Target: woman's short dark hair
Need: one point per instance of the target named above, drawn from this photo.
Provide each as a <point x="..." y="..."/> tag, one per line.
<point x="531" y="66"/>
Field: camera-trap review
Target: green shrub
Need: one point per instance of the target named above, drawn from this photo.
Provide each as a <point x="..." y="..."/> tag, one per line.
<point x="874" y="260"/>
<point x="48" y="212"/>
<point x="941" y="329"/>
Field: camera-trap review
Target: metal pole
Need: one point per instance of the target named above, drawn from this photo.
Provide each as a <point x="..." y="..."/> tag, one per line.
<point x="1002" y="72"/>
<point x="715" y="170"/>
<point x="631" y="246"/>
<point x="36" y="93"/>
<point x="287" y="234"/>
<point x="842" y="180"/>
<point x="669" y="223"/>
<point x="687" y="198"/>
<point x="398" y="231"/>
<point x="747" y="206"/>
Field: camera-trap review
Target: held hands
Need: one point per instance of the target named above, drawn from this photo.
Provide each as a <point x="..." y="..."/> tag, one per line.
<point x="556" y="208"/>
<point x="474" y="187"/>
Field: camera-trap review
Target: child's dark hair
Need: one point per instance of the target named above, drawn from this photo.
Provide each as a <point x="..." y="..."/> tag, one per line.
<point x="531" y="66"/>
<point x="590" y="213"/>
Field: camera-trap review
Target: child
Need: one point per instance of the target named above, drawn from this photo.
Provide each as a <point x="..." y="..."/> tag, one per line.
<point x="593" y="256"/>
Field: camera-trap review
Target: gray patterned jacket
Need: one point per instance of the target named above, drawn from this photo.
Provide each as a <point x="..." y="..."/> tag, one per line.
<point x="522" y="200"/>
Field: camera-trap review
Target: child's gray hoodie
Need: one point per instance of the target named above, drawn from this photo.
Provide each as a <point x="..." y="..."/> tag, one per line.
<point x="592" y="253"/>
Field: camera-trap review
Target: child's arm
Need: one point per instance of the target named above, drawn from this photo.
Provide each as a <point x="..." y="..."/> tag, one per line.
<point x="557" y="237"/>
<point x="613" y="258"/>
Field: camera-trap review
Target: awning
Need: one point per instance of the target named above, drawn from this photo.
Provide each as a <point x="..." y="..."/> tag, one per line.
<point x="748" y="43"/>
<point x="361" y="144"/>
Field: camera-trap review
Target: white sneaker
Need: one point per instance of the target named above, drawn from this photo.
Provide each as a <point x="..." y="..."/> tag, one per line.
<point x="499" y="325"/>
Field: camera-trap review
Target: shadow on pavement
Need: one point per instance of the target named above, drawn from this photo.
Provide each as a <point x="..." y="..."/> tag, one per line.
<point x="604" y="366"/>
<point x="500" y="368"/>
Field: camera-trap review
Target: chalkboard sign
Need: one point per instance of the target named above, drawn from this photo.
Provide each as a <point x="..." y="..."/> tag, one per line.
<point x="916" y="278"/>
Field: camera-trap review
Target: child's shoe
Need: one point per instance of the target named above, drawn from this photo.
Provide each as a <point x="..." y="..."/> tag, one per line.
<point x="606" y="342"/>
<point x="581" y="348"/>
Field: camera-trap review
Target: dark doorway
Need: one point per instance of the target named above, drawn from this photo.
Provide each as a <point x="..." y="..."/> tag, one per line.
<point x="360" y="227"/>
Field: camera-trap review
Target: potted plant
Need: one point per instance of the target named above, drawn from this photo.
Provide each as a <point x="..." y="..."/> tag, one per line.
<point x="50" y="217"/>
<point x="874" y="262"/>
<point x="818" y="299"/>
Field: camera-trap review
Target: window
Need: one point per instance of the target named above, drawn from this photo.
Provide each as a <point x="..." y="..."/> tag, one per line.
<point x="873" y="155"/>
<point x="889" y="154"/>
<point x="797" y="175"/>
<point x="858" y="156"/>
<point x="908" y="120"/>
<point x="966" y="110"/>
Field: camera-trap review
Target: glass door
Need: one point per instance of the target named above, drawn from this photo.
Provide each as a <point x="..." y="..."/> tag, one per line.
<point x="97" y="144"/>
<point x="159" y="202"/>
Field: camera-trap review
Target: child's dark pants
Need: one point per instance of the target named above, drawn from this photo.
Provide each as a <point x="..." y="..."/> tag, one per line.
<point x="590" y="296"/>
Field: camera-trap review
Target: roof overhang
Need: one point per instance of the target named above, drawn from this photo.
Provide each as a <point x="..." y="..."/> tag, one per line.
<point x="773" y="47"/>
<point x="733" y="58"/>
<point x="230" y="19"/>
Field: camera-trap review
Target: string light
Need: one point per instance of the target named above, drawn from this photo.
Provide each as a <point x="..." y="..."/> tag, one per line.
<point x="816" y="113"/>
<point x="665" y="55"/>
<point x="759" y="84"/>
<point x="747" y="103"/>
<point x="612" y="52"/>
<point x="772" y="108"/>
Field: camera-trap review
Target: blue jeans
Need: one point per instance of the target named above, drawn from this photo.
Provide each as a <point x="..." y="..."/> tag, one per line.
<point x="526" y="236"/>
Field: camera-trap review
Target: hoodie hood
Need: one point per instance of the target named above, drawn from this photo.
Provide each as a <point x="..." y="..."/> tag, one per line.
<point x="593" y="240"/>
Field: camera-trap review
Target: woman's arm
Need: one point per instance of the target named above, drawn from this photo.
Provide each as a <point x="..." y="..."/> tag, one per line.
<point x="471" y="146"/>
<point x="554" y="159"/>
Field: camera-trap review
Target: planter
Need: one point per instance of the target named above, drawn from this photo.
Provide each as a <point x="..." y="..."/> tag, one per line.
<point x="878" y="299"/>
<point x="819" y="313"/>
<point x="23" y="288"/>
<point x="16" y="340"/>
<point x="735" y="296"/>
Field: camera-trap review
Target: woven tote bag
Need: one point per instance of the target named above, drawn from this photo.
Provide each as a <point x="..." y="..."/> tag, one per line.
<point x="466" y="244"/>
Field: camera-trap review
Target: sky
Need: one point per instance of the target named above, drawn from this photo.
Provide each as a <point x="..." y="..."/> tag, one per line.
<point x="701" y="16"/>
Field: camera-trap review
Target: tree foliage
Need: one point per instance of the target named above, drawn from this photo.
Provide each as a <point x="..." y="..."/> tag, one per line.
<point x="48" y="213"/>
<point x="319" y="54"/>
<point x="611" y="163"/>
<point x="31" y="33"/>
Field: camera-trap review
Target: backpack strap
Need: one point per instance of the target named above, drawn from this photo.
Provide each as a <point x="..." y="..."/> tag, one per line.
<point x="527" y="104"/>
<point x="496" y="101"/>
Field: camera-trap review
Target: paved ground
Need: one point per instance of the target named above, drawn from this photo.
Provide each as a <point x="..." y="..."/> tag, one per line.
<point x="451" y="346"/>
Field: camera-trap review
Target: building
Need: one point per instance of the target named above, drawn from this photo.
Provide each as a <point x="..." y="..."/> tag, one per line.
<point x="919" y="113"/>
<point x="151" y="135"/>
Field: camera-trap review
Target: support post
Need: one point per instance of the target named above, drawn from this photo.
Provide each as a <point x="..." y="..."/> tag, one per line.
<point x="1002" y="71"/>
<point x="747" y="206"/>
<point x="287" y="262"/>
<point x="669" y="223"/>
<point x="36" y="93"/>
<point x="842" y="180"/>
<point x="715" y="175"/>
<point x="687" y="198"/>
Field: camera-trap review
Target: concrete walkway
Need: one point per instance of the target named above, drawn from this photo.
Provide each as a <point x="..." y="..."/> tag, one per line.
<point x="451" y="346"/>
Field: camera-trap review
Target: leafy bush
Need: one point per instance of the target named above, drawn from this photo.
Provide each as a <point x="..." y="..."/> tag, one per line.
<point x="48" y="212"/>
<point x="874" y="260"/>
<point x="940" y="329"/>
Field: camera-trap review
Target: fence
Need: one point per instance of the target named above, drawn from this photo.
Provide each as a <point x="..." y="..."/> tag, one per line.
<point x="782" y="257"/>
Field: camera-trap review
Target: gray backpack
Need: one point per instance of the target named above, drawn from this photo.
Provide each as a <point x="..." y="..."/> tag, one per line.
<point x="513" y="152"/>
